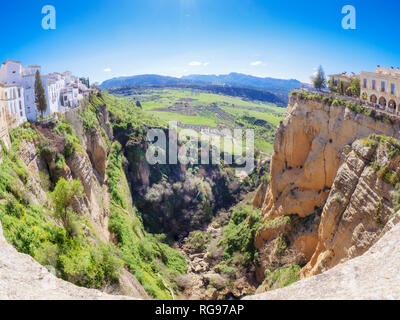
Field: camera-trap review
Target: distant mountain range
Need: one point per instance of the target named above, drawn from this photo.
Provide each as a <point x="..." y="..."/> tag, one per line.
<point x="233" y="84"/>
<point x="232" y="79"/>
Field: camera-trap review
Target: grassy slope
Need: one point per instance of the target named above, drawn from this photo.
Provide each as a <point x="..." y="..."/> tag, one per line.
<point x="152" y="261"/>
<point x="84" y="259"/>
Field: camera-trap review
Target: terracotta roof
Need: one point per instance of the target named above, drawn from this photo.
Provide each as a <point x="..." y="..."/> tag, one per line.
<point x="9" y="85"/>
<point x="5" y="62"/>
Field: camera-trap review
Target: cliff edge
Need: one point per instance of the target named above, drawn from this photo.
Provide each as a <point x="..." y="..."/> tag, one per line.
<point x="22" y="278"/>
<point x="334" y="188"/>
<point x="374" y="275"/>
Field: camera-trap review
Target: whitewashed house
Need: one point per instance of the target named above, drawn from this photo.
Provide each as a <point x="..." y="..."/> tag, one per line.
<point x="62" y="90"/>
<point x="4" y="118"/>
<point x="13" y="98"/>
<point x="70" y="97"/>
<point x="28" y="81"/>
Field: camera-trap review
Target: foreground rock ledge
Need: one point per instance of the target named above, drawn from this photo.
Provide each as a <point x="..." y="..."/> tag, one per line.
<point x="22" y="278"/>
<point x="374" y="275"/>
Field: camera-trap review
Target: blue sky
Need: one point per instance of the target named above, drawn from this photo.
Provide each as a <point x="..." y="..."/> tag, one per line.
<point x="284" y="39"/>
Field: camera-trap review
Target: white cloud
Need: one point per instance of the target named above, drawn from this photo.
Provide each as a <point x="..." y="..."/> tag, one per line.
<point x="256" y="63"/>
<point x="195" y="63"/>
<point x="198" y="64"/>
<point x="107" y="70"/>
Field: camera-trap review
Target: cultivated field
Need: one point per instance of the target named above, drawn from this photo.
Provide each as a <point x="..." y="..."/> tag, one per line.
<point x="193" y="107"/>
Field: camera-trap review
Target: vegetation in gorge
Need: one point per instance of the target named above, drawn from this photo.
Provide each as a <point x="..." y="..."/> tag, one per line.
<point x="63" y="196"/>
<point x="280" y="278"/>
<point x="175" y="201"/>
<point x="31" y="229"/>
<point x="63" y="240"/>
<point x="148" y="256"/>
<point x="238" y="237"/>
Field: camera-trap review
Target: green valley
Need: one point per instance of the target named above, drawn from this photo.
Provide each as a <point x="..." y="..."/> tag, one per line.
<point x="204" y="109"/>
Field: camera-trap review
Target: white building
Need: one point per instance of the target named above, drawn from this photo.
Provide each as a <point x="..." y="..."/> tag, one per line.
<point x="4" y="118"/>
<point x="28" y="81"/>
<point x="12" y="97"/>
<point x="382" y="87"/>
<point x="62" y="90"/>
<point x="70" y="97"/>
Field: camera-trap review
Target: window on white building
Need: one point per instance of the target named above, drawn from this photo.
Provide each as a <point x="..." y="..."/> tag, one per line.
<point x="383" y="86"/>
<point x="374" y="84"/>
<point x="365" y="83"/>
<point x="393" y="88"/>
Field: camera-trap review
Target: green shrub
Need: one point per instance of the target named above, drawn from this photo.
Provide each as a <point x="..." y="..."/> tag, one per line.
<point x="198" y="240"/>
<point x="226" y="270"/>
<point x="72" y="142"/>
<point x="285" y="276"/>
<point x="388" y="175"/>
<point x="282" y="277"/>
<point x="281" y="245"/>
<point x="15" y="209"/>
<point x="239" y="234"/>
<point x="146" y="256"/>
<point x="274" y="223"/>
<point x="60" y="161"/>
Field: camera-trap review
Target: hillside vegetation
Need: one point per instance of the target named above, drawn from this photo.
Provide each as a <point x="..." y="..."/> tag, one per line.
<point x="209" y="110"/>
<point x="78" y="196"/>
<point x="72" y="247"/>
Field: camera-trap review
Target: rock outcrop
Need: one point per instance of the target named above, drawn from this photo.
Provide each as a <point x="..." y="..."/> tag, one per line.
<point x="307" y="150"/>
<point x="332" y="187"/>
<point x="374" y="275"/>
<point x="88" y="164"/>
<point x="358" y="207"/>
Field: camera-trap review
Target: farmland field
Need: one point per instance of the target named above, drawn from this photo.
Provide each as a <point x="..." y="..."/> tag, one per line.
<point x="193" y="107"/>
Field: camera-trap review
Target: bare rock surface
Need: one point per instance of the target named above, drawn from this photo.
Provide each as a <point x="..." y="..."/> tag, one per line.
<point x="374" y="275"/>
<point x="22" y="278"/>
<point x="332" y="193"/>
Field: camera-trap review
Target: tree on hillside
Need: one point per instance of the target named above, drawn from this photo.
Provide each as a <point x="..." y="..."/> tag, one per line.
<point x="40" y="96"/>
<point x="332" y="85"/>
<point x="319" y="79"/>
<point x="85" y="81"/>
<point x="341" y="89"/>
<point x="63" y="196"/>
<point x="355" y="88"/>
<point x="138" y="104"/>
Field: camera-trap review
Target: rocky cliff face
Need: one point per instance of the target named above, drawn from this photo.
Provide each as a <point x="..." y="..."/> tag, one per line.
<point x="374" y="275"/>
<point x="42" y="150"/>
<point x="332" y="188"/>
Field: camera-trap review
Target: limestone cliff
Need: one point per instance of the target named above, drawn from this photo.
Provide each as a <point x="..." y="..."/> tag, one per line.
<point x="41" y="151"/>
<point x="374" y="275"/>
<point x="332" y="184"/>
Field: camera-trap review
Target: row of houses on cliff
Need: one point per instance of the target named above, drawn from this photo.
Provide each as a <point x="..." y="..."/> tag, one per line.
<point x="17" y="94"/>
<point x="381" y="87"/>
